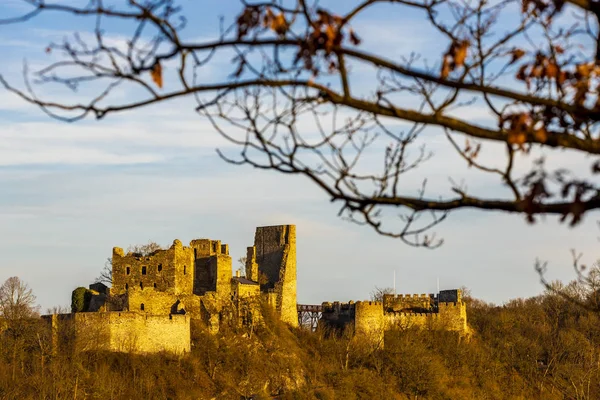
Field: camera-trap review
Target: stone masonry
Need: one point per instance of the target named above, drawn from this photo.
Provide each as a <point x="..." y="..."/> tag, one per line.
<point x="157" y="300"/>
<point x="370" y="319"/>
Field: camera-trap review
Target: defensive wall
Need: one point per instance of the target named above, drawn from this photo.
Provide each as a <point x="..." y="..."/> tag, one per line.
<point x="123" y="331"/>
<point x="154" y="296"/>
<point x="444" y="311"/>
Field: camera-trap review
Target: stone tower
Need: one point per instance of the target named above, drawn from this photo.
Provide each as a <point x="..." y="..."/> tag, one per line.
<point x="272" y="263"/>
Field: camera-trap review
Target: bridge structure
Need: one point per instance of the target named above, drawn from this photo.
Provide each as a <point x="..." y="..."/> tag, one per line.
<point x="309" y="315"/>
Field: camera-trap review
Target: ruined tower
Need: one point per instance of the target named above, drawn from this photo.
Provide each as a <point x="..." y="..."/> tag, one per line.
<point x="272" y="263"/>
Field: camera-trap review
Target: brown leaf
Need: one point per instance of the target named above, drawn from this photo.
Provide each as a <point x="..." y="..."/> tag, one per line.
<point x="156" y="74"/>
<point x="583" y="71"/>
<point x="516" y="54"/>
<point x="537" y="71"/>
<point x="460" y="54"/>
<point x="541" y="135"/>
<point x="279" y="24"/>
<point x="552" y="70"/>
<point x="354" y="39"/>
<point x="562" y="77"/>
<point x="516" y="137"/>
<point x="521" y="74"/>
<point x="581" y="91"/>
<point x="268" y="17"/>
<point x="332" y="66"/>
<point x="331" y="34"/>
<point x="445" y="67"/>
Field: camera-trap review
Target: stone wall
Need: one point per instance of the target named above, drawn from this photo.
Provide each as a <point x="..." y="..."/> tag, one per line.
<point x="369" y="323"/>
<point x="251" y="265"/>
<point x="184" y="268"/>
<point x="169" y="270"/>
<point x="132" y="332"/>
<point x="407" y="302"/>
<point x="275" y="249"/>
<point x="210" y="265"/>
<point x="370" y="319"/>
<point x="453" y="316"/>
<point x="338" y="315"/>
<point x="131" y="270"/>
<point x="151" y="301"/>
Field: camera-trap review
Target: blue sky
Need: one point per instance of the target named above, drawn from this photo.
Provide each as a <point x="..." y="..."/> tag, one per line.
<point x="70" y="192"/>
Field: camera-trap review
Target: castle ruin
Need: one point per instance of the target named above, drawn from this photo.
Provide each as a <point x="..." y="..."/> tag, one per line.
<point x="371" y="319"/>
<point x="158" y="301"/>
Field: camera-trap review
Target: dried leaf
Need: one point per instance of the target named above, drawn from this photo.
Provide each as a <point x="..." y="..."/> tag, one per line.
<point x="332" y="66"/>
<point x="445" y="67"/>
<point x="516" y="54"/>
<point x="583" y="71"/>
<point x="521" y="74"/>
<point x="562" y="77"/>
<point x="515" y="137"/>
<point x="552" y="70"/>
<point x="581" y="91"/>
<point x="354" y="39"/>
<point x="279" y="24"/>
<point x="331" y="34"/>
<point x="541" y="135"/>
<point x="460" y="55"/>
<point x="156" y="74"/>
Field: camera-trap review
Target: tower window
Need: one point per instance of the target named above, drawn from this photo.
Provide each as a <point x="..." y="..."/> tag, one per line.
<point x="154" y="285"/>
<point x="128" y="271"/>
<point x="143" y="270"/>
<point x="127" y="286"/>
<point x="184" y="268"/>
<point x="142" y="306"/>
<point x="159" y="268"/>
<point x="142" y="285"/>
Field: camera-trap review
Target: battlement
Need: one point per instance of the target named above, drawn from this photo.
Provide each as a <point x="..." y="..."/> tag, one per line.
<point x="338" y="306"/>
<point x="369" y="303"/>
<point x="451" y="304"/>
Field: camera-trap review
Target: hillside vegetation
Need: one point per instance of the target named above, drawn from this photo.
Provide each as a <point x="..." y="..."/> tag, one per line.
<point x="538" y="348"/>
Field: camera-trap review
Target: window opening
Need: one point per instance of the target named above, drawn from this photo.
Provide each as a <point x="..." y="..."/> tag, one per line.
<point x="128" y="271"/>
<point x="127" y="286"/>
<point x="143" y="270"/>
<point x="142" y="285"/>
<point x="159" y="267"/>
<point x="154" y="285"/>
<point x="142" y="307"/>
<point x="184" y="268"/>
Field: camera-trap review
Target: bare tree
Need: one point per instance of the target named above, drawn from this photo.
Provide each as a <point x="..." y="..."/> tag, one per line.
<point x="293" y="104"/>
<point x="106" y="273"/>
<point x="144" y="249"/>
<point x="17" y="300"/>
<point x="378" y="293"/>
<point x="584" y="291"/>
<point x="140" y="249"/>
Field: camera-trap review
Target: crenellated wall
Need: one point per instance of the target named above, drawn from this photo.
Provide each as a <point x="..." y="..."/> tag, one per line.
<point x="124" y="331"/>
<point x="407" y="302"/>
<point x="370" y="319"/>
